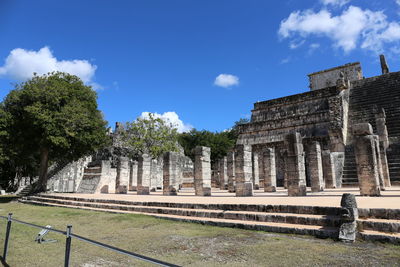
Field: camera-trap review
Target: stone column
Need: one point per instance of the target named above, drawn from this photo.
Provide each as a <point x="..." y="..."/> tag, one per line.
<point x="379" y="162"/>
<point x="202" y="171"/>
<point x="243" y="171"/>
<point x="268" y="169"/>
<point x="133" y="176"/>
<point x="314" y="165"/>
<point x="328" y="169"/>
<point x="170" y="173"/>
<point x="383" y="145"/>
<point x="256" y="171"/>
<point x="153" y="175"/>
<point x="223" y="175"/>
<point x="366" y="159"/>
<point x="230" y="163"/>
<point x="122" y="181"/>
<point x="144" y="165"/>
<point x="295" y="166"/>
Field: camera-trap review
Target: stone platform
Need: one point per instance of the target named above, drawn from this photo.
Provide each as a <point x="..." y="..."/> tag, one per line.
<point x="316" y="214"/>
<point x="390" y="198"/>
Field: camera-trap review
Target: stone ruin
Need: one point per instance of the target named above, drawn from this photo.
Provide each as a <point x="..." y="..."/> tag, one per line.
<point x="344" y="132"/>
<point x="316" y="137"/>
<point x="112" y="171"/>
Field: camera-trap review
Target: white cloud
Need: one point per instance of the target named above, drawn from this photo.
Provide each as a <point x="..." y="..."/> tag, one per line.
<point x="226" y="80"/>
<point x="172" y="118"/>
<point x="296" y="44"/>
<point x="398" y="2"/>
<point x="20" y="65"/>
<point x="354" y="26"/>
<point x="336" y="2"/>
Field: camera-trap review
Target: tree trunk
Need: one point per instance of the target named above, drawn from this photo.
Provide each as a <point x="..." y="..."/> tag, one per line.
<point x="44" y="161"/>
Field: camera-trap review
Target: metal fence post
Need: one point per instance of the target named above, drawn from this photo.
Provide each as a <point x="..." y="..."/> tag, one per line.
<point x="68" y="245"/>
<point x="9" y="220"/>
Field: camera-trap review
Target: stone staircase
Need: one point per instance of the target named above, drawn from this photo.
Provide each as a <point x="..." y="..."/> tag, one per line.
<point x="25" y="191"/>
<point x="90" y="179"/>
<point x="366" y="98"/>
<point x="350" y="178"/>
<point x="310" y="220"/>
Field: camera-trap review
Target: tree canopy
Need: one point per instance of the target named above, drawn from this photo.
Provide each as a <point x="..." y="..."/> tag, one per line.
<point x="150" y="135"/>
<point x="53" y="117"/>
<point x="219" y="142"/>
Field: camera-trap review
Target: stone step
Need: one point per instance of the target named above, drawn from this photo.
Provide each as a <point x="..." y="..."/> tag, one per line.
<point x="377" y="236"/>
<point x="316" y="210"/>
<point x="292" y="218"/>
<point x="381" y="225"/>
<point x="315" y="230"/>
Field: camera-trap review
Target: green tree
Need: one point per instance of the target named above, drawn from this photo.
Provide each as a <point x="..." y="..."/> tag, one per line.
<point x="150" y="135"/>
<point x="54" y="117"/>
<point x="219" y="142"/>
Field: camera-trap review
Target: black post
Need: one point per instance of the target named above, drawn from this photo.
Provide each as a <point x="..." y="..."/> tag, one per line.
<point x="68" y="246"/>
<point x="9" y="220"/>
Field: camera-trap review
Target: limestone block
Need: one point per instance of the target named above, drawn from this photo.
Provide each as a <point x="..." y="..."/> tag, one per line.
<point x="367" y="165"/>
<point x="349" y="216"/>
<point x="133" y="176"/>
<point x="121" y="189"/>
<point x="153" y="175"/>
<point x="314" y="163"/>
<point x="243" y="170"/>
<point x="202" y="171"/>
<point x="144" y="165"/>
<point x="230" y="161"/>
<point x="123" y="171"/>
<point x="362" y="129"/>
<point x="295" y="165"/>
<point x="223" y="175"/>
<point x="170" y="173"/>
<point x="256" y="171"/>
<point x="329" y="170"/>
<point x="269" y="170"/>
<point x="385" y="165"/>
<point x="104" y="189"/>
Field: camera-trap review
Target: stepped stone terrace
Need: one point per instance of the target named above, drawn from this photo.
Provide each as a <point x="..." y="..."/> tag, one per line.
<point x="325" y="162"/>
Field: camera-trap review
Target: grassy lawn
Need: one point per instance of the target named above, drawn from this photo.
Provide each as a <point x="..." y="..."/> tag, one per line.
<point x="185" y="244"/>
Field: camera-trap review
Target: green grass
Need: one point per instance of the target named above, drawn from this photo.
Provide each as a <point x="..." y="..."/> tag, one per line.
<point x="181" y="243"/>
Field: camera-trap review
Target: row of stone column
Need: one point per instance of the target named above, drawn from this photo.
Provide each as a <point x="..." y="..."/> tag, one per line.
<point x="253" y="167"/>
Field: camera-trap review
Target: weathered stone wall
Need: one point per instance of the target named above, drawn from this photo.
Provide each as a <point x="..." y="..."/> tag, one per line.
<point x="329" y="77"/>
<point x="316" y="114"/>
<point x="69" y="177"/>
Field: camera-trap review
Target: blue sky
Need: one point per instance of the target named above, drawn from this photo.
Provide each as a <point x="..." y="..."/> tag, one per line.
<point x="205" y="61"/>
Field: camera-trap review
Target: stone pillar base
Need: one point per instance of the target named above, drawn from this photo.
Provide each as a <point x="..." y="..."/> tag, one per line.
<point x="169" y="191"/>
<point x="297" y="191"/>
<point x="122" y="189"/>
<point x="143" y="190"/>
<point x="270" y="189"/>
<point x="203" y="192"/>
<point x="244" y="189"/>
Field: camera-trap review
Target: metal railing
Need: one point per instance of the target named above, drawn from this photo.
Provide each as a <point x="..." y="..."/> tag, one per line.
<point x="69" y="235"/>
